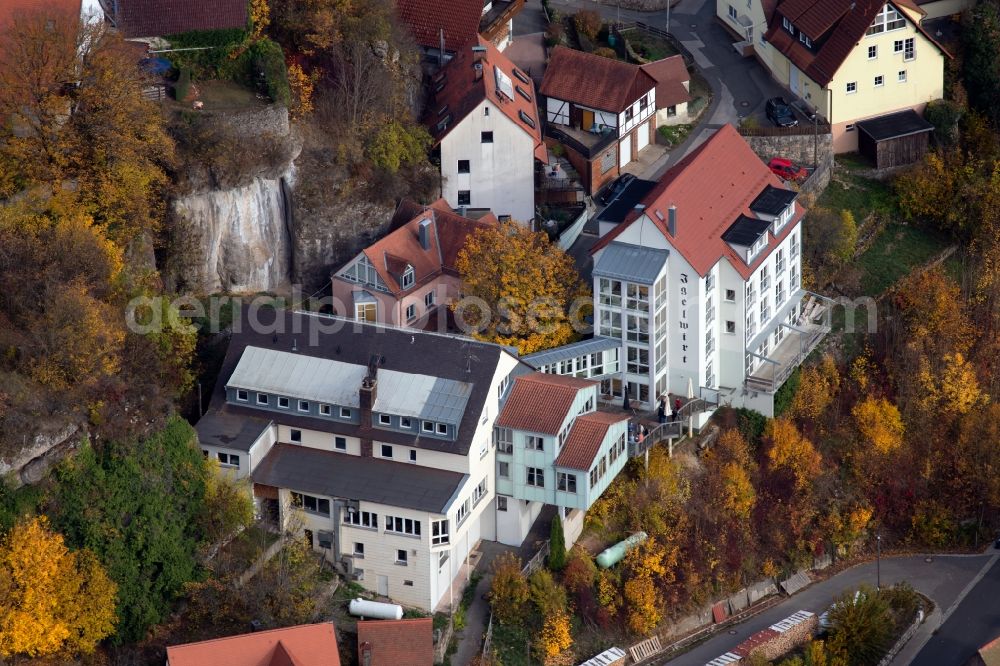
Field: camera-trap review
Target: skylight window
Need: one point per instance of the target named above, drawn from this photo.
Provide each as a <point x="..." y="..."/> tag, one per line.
<point x="528" y="120"/>
<point x="504" y="84"/>
<point x="523" y="93"/>
<point x="521" y="76"/>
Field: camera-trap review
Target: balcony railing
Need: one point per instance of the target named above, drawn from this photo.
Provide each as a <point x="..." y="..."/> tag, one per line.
<point x="589" y="152"/>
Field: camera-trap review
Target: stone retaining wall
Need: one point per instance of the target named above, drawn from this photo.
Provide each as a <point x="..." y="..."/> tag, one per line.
<point x="800" y="148"/>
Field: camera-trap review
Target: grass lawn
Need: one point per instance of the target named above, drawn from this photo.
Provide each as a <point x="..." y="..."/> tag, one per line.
<point x="648" y="46"/>
<point x="897" y="250"/>
<point x="849" y="190"/>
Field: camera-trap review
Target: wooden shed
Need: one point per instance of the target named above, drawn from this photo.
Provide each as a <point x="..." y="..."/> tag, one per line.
<point x="893" y="140"/>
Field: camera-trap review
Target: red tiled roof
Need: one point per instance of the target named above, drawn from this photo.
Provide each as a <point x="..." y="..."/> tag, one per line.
<point x="156" y="18"/>
<point x="585" y="439"/>
<point x="304" y="645"/>
<point x="594" y="81"/>
<point x="10" y="9"/>
<point x="841" y="24"/>
<point x="670" y="75"/>
<point x="447" y="235"/>
<point x="539" y="402"/>
<point x="396" y="642"/>
<point x="462" y="94"/>
<point x="459" y="19"/>
<point x="711" y="188"/>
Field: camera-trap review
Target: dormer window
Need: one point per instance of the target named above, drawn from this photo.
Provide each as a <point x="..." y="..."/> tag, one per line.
<point x="782" y="219"/>
<point x="755" y="249"/>
<point x="407" y="280"/>
<point x="788" y="25"/>
<point x="805" y="40"/>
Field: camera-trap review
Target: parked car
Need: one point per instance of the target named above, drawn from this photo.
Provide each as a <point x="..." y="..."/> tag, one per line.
<point x="787" y="169"/>
<point x="614" y="190"/>
<point x="779" y="113"/>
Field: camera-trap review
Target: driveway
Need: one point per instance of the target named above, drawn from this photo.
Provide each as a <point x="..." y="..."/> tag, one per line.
<point x="945" y="580"/>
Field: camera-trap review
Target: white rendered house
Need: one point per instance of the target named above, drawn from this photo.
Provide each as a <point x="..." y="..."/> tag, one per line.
<point x="373" y="442"/>
<point x="700" y="288"/>
<point x="486" y="133"/>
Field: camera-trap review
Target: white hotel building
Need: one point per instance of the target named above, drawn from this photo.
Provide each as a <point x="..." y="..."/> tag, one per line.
<point x="698" y="292"/>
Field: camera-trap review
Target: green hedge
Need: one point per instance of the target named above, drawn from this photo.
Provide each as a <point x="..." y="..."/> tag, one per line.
<point x="260" y="66"/>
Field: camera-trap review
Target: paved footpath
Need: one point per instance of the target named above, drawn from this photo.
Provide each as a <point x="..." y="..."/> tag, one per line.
<point x="945" y="579"/>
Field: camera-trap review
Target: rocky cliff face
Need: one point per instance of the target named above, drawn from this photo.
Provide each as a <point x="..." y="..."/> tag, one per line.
<point x="240" y="238"/>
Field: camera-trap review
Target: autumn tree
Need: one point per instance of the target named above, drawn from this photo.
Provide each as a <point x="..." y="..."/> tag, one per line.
<point x="554" y="638"/>
<point x="818" y="388"/>
<point x="509" y="590"/>
<point x="792" y="452"/>
<point x="112" y="151"/>
<point x="879" y="423"/>
<point x="52" y="600"/>
<point x="648" y="567"/>
<point x="527" y="288"/>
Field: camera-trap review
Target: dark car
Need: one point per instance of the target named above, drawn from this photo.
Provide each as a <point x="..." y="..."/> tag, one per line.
<point x="614" y="190"/>
<point x="779" y="113"/>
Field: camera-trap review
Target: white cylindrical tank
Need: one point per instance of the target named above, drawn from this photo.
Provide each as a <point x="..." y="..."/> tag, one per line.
<point x="375" y="609"/>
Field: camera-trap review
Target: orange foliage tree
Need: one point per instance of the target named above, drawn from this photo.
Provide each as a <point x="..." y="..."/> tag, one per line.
<point x="528" y="285"/>
<point x="52" y="600"/>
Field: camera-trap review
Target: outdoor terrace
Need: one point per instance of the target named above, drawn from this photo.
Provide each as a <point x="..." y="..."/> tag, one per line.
<point x="799" y="341"/>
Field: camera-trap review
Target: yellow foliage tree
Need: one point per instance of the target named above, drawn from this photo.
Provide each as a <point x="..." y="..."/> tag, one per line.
<point x="554" y="639"/>
<point x="303" y="86"/>
<point x="817" y="389"/>
<point x="529" y="290"/>
<point x="879" y="423"/>
<point x="738" y="493"/>
<point x="52" y="600"/>
<point x="790" y="450"/>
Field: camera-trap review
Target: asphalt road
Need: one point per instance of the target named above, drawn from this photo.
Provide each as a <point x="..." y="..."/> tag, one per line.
<point x="974" y="622"/>
<point x="943" y="579"/>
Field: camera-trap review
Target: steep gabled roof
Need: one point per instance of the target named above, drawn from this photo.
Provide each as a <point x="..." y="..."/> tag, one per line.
<point x="303" y="645"/>
<point x="157" y="18"/>
<point x="396" y="642"/>
<point x="594" y="81"/>
<point x="670" y="75"/>
<point x="711" y="188"/>
<point x="540" y="402"/>
<point x="585" y="439"/>
<point x="427" y="19"/>
<point x="836" y="25"/>
<point x="447" y="235"/>
<point x="461" y="92"/>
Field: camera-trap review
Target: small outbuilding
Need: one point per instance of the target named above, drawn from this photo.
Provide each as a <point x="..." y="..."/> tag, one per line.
<point x="893" y="140"/>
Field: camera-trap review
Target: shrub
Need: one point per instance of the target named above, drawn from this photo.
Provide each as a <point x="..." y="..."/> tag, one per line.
<point x="786" y="394"/>
<point x="588" y="23"/>
<point x="605" y="52"/>
<point x="548" y="595"/>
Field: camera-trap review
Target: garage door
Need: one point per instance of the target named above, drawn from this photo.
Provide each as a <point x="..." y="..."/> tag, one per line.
<point x="643" y="135"/>
<point x="625" y="151"/>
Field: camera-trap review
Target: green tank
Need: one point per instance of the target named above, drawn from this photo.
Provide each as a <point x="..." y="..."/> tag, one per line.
<point x="616" y="553"/>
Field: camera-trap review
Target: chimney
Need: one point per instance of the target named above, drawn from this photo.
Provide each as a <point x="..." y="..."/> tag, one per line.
<point x="366" y="401"/>
<point x="424" y="233"/>
<point x="478" y="68"/>
<point x="478" y="53"/>
<point x="672" y="220"/>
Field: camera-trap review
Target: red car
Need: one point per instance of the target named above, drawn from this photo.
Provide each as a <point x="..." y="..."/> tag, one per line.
<point x="787" y="169"/>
